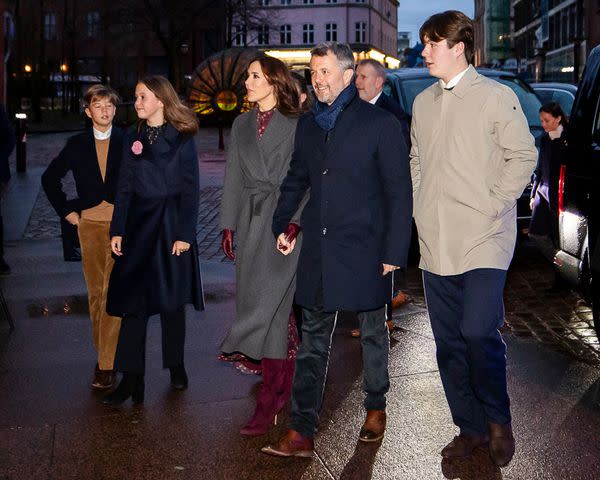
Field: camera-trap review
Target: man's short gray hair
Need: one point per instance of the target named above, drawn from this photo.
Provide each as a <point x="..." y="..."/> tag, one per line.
<point x="379" y="68"/>
<point x="342" y="52"/>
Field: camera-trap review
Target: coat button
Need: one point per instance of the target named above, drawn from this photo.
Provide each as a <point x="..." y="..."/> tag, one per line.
<point x="324" y="231"/>
<point x="326" y="171"/>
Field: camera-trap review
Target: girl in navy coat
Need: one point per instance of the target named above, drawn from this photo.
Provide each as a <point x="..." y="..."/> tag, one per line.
<point x="153" y="236"/>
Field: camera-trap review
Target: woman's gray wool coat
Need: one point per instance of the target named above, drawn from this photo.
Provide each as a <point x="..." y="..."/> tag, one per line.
<point x="266" y="279"/>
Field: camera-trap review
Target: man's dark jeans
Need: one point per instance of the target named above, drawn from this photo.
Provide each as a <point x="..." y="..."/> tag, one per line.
<point x="313" y="360"/>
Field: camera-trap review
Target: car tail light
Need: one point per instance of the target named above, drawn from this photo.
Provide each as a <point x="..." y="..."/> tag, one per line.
<point x="561" y="190"/>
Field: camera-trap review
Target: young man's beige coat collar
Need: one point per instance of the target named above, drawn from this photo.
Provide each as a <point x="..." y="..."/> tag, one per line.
<point x="462" y="87"/>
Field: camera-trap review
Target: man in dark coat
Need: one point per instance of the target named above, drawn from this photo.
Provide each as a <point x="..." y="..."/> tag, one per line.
<point x="356" y="230"/>
<point x="369" y="80"/>
<point x="7" y="143"/>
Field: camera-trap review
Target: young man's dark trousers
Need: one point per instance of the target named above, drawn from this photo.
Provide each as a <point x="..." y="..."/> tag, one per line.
<point x="313" y="360"/>
<point x="466" y="312"/>
<point x="131" y="349"/>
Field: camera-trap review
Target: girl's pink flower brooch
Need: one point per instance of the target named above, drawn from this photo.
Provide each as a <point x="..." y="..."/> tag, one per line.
<point x="137" y="147"/>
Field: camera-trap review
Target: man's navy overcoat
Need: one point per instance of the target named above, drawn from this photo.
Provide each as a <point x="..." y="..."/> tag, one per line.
<point x="360" y="208"/>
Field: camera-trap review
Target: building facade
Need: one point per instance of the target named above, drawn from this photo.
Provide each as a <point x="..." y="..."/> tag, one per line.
<point x="492" y="32"/>
<point x="62" y="46"/>
<point x="292" y="27"/>
<point x="552" y="38"/>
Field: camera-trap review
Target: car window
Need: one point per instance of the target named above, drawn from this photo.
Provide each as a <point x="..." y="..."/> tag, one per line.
<point x="596" y="134"/>
<point x="388" y="90"/>
<point x="564" y="99"/>
<point x="545" y="95"/>
<point x="411" y="88"/>
<point x="530" y="103"/>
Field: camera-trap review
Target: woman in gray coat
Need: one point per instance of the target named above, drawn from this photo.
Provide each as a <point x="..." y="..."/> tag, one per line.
<point x="263" y="335"/>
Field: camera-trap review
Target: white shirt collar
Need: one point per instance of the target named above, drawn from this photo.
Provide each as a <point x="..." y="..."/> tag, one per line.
<point x="554" y="134"/>
<point x="454" y="81"/>
<point x="98" y="135"/>
<point x="375" y="98"/>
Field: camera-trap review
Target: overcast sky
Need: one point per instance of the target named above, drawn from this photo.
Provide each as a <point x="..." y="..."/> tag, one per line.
<point x="412" y="13"/>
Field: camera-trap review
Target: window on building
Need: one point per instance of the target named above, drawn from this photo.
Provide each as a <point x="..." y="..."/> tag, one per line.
<point x="359" y="1"/>
<point x="361" y="32"/>
<point x="93" y="24"/>
<point x="286" y="2"/>
<point x="331" y="32"/>
<point x="264" y="3"/>
<point x="331" y="1"/>
<point x="263" y="35"/>
<point x="238" y="35"/>
<point x="50" y="26"/>
<point x="308" y="33"/>
<point x="309" y="2"/>
<point x="285" y="34"/>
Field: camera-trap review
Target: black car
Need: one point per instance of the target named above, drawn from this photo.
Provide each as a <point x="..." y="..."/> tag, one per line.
<point x="578" y="256"/>
<point x="405" y="84"/>
<point x="561" y="93"/>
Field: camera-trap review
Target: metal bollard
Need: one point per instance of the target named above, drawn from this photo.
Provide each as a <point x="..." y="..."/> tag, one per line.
<point x="21" y="142"/>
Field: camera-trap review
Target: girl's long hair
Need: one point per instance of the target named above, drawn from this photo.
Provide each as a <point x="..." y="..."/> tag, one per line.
<point x="176" y="113"/>
<point x="278" y="75"/>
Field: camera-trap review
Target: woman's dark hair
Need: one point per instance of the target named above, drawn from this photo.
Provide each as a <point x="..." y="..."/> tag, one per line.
<point x="176" y="113"/>
<point x="302" y="85"/>
<point x="554" y="109"/>
<point x="278" y="75"/>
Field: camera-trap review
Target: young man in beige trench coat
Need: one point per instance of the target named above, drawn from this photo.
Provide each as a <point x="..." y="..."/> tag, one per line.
<point x="472" y="155"/>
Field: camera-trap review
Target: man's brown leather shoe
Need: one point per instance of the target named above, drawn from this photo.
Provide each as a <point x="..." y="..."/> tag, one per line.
<point x="374" y="426"/>
<point x="502" y="444"/>
<point x="292" y="444"/>
<point x="463" y="445"/>
<point x="355" y="332"/>
<point x="400" y="299"/>
<point x="103" y="379"/>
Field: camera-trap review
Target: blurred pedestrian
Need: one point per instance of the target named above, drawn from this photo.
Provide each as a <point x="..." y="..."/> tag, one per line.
<point x="543" y="228"/>
<point x="153" y="236"/>
<point x="94" y="158"/>
<point x="7" y="144"/>
<point x="263" y="335"/>
<point x="369" y="80"/>
<point x="472" y="155"/>
<point x="356" y="230"/>
<point x="306" y="96"/>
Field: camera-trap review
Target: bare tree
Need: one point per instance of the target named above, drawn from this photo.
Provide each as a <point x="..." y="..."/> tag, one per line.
<point x="244" y="18"/>
<point x="170" y="21"/>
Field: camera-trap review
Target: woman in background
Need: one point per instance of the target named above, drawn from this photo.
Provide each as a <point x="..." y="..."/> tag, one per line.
<point x="543" y="228"/>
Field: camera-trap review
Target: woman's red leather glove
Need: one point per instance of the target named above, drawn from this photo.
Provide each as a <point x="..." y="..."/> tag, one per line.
<point x="227" y="244"/>
<point x="292" y="231"/>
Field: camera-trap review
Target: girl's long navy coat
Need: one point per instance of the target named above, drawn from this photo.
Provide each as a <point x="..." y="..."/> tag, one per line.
<point x="156" y="204"/>
<point x="360" y="209"/>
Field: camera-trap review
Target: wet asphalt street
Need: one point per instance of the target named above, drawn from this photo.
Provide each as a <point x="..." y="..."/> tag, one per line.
<point x="52" y="425"/>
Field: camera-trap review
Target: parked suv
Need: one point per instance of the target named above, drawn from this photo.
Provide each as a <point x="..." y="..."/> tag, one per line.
<point x="579" y="191"/>
<point x="405" y="84"/>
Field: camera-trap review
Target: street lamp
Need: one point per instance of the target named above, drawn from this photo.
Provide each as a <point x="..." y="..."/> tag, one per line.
<point x="27" y="68"/>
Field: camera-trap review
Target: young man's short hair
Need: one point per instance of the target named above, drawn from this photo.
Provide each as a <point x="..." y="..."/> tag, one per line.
<point x="452" y="26"/>
<point x="99" y="91"/>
